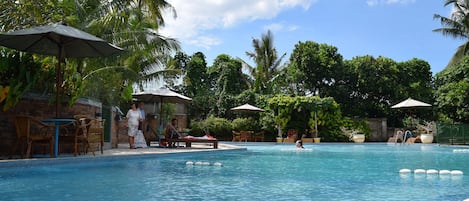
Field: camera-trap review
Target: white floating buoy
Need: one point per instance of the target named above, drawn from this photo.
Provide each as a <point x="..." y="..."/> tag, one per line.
<point x="404" y="171"/>
<point x="432" y="171"/>
<point x="189" y="163"/>
<point x="198" y="163"/>
<point x="217" y="164"/>
<point x="456" y="172"/>
<point x="205" y="163"/>
<point x="461" y="150"/>
<point x="445" y="172"/>
<point x="419" y="171"/>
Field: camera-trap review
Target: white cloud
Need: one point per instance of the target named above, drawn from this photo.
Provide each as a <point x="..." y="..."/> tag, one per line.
<point x="275" y="27"/>
<point x="388" y="2"/>
<point x="195" y="18"/>
<point x="372" y="2"/>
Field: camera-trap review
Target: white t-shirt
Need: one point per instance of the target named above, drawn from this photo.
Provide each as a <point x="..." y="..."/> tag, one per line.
<point x="133" y="116"/>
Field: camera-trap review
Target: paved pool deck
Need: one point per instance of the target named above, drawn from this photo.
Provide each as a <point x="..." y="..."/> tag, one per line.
<point x="124" y="150"/>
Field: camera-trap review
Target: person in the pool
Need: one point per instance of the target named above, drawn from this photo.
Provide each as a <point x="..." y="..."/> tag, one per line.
<point x="299" y="144"/>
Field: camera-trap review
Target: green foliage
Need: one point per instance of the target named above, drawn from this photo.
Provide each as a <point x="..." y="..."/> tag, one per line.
<point x="127" y="24"/>
<point x="314" y="66"/>
<point x="328" y="116"/>
<point x="220" y="128"/>
<point x="455" y="26"/>
<point x="246" y="124"/>
<point x="20" y="73"/>
<point x="267" y="63"/>
<point x="359" y="125"/>
<point x="451" y="94"/>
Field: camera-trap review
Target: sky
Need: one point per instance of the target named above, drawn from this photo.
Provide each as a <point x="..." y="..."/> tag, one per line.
<point x="396" y="29"/>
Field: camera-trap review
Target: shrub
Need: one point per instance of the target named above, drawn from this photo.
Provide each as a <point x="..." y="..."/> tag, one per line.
<point x="246" y="124"/>
<point x="219" y="128"/>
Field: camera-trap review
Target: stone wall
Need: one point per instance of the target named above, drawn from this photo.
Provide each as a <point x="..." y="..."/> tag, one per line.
<point x="379" y="129"/>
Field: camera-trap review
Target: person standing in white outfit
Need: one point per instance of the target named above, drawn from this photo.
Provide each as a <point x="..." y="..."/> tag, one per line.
<point x="140" y="138"/>
<point x="133" y="118"/>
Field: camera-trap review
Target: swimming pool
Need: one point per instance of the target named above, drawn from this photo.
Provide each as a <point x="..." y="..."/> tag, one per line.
<point x="273" y="172"/>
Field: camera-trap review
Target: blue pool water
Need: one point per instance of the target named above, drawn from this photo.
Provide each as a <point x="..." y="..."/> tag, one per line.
<point x="273" y="172"/>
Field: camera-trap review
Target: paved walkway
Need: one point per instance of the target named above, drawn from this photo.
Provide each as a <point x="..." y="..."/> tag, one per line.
<point x="124" y="150"/>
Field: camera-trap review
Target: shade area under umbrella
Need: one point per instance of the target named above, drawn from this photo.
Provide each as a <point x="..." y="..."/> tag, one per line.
<point x="161" y="96"/>
<point x="411" y="103"/>
<point x="58" y="40"/>
<point x="247" y="108"/>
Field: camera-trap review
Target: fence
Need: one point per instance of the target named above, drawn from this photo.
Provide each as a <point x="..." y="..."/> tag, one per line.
<point x="454" y="134"/>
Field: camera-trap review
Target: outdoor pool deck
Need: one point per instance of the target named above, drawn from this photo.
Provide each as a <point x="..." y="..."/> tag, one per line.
<point x="123" y="150"/>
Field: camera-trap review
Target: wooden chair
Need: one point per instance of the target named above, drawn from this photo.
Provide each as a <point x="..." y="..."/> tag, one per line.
<point x="96" y="135"/>
<point x="67" y="136"/>
<point x="88" y="131"/>
<point x="258" y="136"/>
<point x="32" y="131"/>
<point x="243" y="136"/>
<point x="236" y="136"/>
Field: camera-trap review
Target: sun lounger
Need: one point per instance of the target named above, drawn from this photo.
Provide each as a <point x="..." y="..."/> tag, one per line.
<point x="189" y="140"/>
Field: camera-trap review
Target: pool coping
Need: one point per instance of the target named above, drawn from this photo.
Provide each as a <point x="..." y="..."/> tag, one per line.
<point x="120" y="153"/>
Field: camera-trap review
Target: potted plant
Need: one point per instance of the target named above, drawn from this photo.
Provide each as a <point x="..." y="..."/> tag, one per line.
<point x="426" y="134"/>
<point x="355" y="130"/>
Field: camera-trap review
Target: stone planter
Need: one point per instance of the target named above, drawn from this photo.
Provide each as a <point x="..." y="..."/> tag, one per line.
<point x="317" y="140"/>
<point x="358" y="138"/>
<point x="426" y="138"/>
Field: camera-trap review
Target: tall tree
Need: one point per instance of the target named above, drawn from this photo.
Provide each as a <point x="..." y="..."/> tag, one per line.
<point x="452" y="85"/>
<point x="314" y="66"/>
<point x="267" y="63"/>
<point x="229" y="82"/>
<point x="376" y="85"/>
<point x="456" y="26"/>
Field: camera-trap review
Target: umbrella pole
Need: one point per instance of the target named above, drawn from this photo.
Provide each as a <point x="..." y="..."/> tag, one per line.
<point x="58" y="81"/>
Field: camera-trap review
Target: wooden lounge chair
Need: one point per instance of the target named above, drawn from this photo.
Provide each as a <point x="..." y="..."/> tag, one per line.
<point x="189" y="141"/>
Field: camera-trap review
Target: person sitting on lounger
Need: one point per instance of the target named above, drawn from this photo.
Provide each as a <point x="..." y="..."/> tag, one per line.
<point x="205" y="137"/>
<point x="171" y="132"/>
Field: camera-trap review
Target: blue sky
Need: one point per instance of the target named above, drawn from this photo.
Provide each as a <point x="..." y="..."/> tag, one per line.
<point x="397" y="29"/>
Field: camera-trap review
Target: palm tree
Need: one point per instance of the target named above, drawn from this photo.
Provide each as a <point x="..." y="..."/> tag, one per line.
<point x="133" y="26"/>
<point x="267" y="63"/>
<point x="456" y="26"/>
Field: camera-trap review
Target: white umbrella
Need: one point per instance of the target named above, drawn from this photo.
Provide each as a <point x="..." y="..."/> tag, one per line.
<point x="247" y="108"/>
<point x="161" y="95"/>
<point x="410" y="103"/>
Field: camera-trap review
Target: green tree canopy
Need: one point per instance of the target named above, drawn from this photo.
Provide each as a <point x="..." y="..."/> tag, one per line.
<point x="313" y="67"/>
<point x="452" y="86"/>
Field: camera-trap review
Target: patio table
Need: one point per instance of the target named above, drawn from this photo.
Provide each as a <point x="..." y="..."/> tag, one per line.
<point x="57" y="122"/>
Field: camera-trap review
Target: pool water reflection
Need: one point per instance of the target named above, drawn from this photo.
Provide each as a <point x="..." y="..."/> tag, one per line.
<point x="274" y="172"/>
